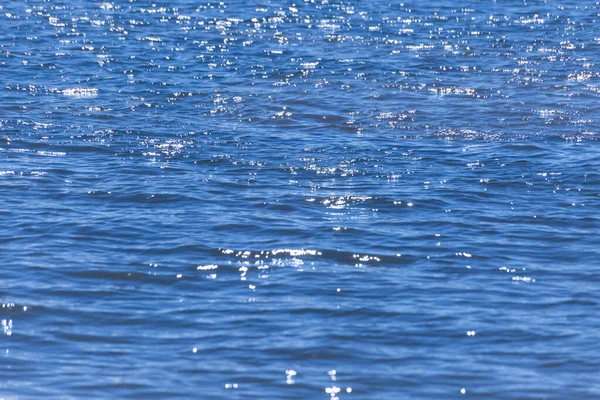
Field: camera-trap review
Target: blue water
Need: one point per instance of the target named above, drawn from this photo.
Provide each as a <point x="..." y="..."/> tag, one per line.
<point x="311" y="199"/>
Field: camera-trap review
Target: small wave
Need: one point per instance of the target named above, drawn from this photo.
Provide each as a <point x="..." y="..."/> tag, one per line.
<point x="80" y="93"/>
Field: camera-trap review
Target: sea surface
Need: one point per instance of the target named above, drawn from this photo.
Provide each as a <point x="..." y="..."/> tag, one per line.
<point x="302" y="199"/>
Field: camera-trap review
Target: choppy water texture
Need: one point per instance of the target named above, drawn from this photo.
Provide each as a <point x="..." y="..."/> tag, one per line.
<point x="299" y="199"/>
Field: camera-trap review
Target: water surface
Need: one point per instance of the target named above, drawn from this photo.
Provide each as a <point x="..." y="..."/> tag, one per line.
<point x="299" y="199"/>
